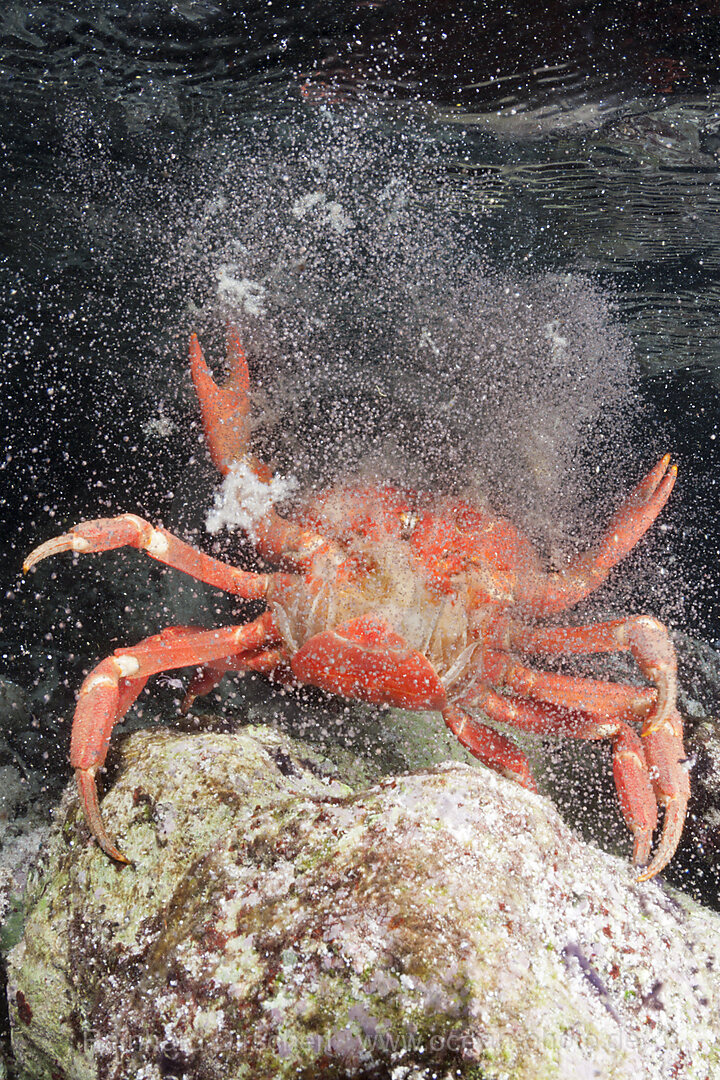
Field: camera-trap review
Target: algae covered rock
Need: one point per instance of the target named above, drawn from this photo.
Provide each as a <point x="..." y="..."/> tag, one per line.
<point x="276" y="923"/>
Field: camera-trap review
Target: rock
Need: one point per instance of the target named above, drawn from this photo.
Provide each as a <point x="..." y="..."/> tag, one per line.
<point x="20" y="839"/>
<point x="14" y="711"/>
<point x="18" y="854"/>
<point x="276" y="924"/>
<point x="13" y="792"/>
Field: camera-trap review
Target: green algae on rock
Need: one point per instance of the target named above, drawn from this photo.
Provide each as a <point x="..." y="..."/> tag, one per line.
<point x="276" y="923"/>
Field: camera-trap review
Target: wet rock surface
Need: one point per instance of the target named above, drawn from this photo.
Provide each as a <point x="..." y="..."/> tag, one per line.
<point x="276" y="923"/>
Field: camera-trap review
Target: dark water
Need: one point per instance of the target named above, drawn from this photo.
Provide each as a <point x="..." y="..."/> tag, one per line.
<point x="467" y="248"/>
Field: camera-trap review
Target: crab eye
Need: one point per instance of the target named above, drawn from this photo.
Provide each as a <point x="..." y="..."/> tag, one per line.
<point x="408" y="524"/>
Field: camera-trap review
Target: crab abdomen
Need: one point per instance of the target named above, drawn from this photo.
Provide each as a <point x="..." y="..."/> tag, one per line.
<point x="365" y="660"/>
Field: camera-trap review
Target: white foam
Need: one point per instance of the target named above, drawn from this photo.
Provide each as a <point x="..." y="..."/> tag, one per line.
<point x="241" y="293"/>
<point x="242" y="500"/>
<point x="327" y="211"/>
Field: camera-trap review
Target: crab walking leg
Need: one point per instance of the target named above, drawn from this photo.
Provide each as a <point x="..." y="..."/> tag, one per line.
<point x="613" y="636"/>
<point x="489" y="746"/>
<point x="665" y="753"/>
<point x="587" y="571"/>
<point x="594" y="697"/>
<point x="129" y="690"/>
<point x="630" y="768"/>
<point x="661" y="734"/>
<point x="117" y="680"/>
<point x="644" y="637"/>
<point x="649" y="643"/>
<point x="128" y="530"/>
<point x="207" y="677"/>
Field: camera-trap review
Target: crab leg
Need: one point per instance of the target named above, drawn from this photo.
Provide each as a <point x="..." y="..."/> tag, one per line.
<point x="128" y="530"/>
<point x="652" y="764"/>
<point x="645" y="638"/>
<point x="662" y="733"/>
<point x="489" y="746"/>
<point x="630" y="768"/>
<point x="116" y="682"/>
<point x="587" y="571"/>
<point x="663" y="758"/>
<point x="594" y="697"/>
<point x="207" y="677"/>
<point x="592" y="638"/>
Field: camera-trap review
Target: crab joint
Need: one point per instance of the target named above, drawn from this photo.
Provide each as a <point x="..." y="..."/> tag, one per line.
<point x="153" y="540"/>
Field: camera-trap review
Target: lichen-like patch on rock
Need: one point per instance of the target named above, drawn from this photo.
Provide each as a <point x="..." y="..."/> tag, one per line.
<point x="276" y="924"/>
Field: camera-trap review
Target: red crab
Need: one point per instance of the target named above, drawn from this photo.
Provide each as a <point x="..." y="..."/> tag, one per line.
<point x="394" y="597"/>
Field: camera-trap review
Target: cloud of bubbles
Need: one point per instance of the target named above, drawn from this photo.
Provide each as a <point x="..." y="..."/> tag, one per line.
<point x="383" y="343"/>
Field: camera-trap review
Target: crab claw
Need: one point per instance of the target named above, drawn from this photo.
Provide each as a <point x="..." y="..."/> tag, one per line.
<point x="225" y="409"/>
<point x="663" y="744"/>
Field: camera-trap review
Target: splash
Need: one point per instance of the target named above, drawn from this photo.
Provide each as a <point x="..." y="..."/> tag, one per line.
<point x="384" y="340"/>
